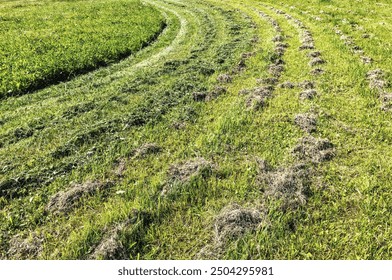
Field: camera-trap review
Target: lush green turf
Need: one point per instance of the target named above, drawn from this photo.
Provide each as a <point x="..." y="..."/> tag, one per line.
<point x="97" y="125"/>
<point x="46" y="41"/>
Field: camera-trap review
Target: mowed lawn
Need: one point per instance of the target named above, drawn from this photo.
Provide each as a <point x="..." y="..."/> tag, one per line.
<point x="245" y="130"/>
<point x="42" y="42"/>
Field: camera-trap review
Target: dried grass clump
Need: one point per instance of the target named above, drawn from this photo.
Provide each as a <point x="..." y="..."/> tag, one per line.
<point x="210" y="252"/>
<point x="255" y="102"/>
<point x="314" y="54"/>
<point x="308" y="94"/>
<point x="366" y="60"/>
<point x="314" y="150"/>
<point x="185" y="171"/>
<point x="199" y="96"/>
<point x="120" y="168"/>
<point x="65" y="201"/>
<point x="386" y="99"/>
<point x="224" y="79"/>
<point x="234" y="221"/>
<point x="376" y="79"/>
<point x="279" y="12"/>
<point x="25" y="247"/>
<point x="247" y="55"/>
<point x="278" y="38"/>
<point x="182" y="173"/>
<point x="307" y="122"/>
<point x="299" y="24"/>
<point x="316" y="61"/>
<point x="111" y="246"/>
<point x="281" y="45"/>
<point x="276" y="69"/>
<point x="290" y="184"/>
<point x="317" y="71"/>
<point x="264" y="91"/>
<point x="215" y="93"/>
<point x="146" y="149"/>
<point x="307" y="46"/>
<point x="259" y="96"/>
<point x="267" y="81"/>
<point x="306" y="85"/>
<point x="287" y="84"/>
<point x="244" y="92"/>
<point x="280" y="51"/>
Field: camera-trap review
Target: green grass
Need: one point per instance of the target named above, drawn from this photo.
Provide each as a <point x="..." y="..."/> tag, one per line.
<point x="79" y="130"/>
<point x="48" y="41"/>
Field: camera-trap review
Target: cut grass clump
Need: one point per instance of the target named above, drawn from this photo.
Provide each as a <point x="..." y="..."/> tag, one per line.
<point x="289" y="185"/>
<point x="111" y="247"/>
<point x="308" y="94"/>
<point x="25" y="247"/>
<point x="316" y="61"/>
<point x="64" y="201"/>
<point x="376" y="79"/>
<point x="315" y="150"/>
<point x="224" y="78"/>
<point x="306" y="85"/>
<point x="287" y="84"/>
<point x="146" y="149"/>
<point x="234" y="221"/>
<point x="182" y="174"/>
<point x="307" y="122"/>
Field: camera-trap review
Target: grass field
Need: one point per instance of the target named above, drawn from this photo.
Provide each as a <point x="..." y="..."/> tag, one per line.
<point x="42" y="42"/>
<point x="245" y="130"/>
